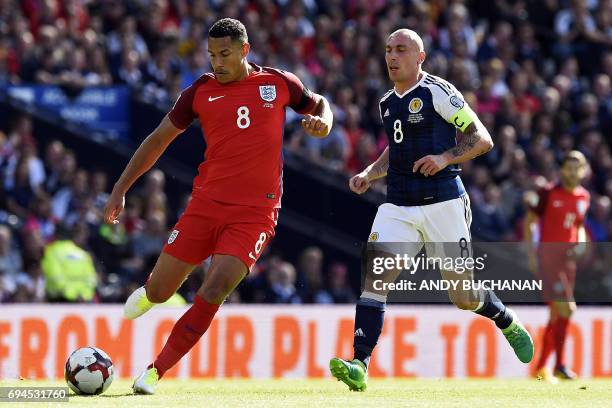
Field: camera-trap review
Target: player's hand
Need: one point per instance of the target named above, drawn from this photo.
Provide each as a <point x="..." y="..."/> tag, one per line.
<point x="430" y="164"/>
<point x="114" y="207"/>
<point x="315" y="126"/>
<point x="577" y="252"/>
<point x="359" y="183"/>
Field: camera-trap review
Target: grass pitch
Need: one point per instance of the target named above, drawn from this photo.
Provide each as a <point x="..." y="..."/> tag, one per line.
<point x="331" y="394"/>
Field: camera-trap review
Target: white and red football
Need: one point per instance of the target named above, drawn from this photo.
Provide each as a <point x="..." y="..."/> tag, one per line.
<point x="89" y="370"/>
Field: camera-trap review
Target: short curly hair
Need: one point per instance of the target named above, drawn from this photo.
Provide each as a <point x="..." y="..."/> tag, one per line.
<point x="229" y="27"/>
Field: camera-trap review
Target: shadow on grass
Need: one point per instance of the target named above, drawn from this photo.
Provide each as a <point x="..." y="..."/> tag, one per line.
<point x="85" y="396"/>
<point x="125" y="394"/>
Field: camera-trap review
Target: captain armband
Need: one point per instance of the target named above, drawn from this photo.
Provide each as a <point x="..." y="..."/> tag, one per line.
<point x="463" y="118"/>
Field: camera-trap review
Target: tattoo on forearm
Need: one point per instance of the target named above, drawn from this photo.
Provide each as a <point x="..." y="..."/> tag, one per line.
<point x="471" y="137"/>
<point x="379" y="169"/>
<point x="382" y="167"/>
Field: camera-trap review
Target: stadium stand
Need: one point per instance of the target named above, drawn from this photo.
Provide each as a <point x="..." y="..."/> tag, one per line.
<point x="537" y="72"/>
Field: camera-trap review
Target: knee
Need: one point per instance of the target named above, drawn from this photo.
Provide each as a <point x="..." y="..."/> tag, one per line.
<point x="214" y="294"/>
<point x="463" y="302"/>
<point x="157" y="294"/>
<point x="225" y="273"/>
<point x="566" y="309"/>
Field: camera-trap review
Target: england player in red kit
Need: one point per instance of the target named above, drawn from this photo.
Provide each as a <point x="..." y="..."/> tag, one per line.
<point x="237" y="192"/>
<point x="559" y="212"/>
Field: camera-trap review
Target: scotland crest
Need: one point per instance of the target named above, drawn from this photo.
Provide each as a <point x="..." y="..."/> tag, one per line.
<point x="415" y="106"/>
<point x="267" y="92"/>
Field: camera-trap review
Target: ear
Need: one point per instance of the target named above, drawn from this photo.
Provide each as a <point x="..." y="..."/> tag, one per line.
<point x="246" y="47"/>
<point x="422" y="56"/>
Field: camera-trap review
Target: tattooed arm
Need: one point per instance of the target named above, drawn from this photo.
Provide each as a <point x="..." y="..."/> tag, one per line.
<point x="360" y="183"/>
<point x="379" y="168"/>
<point x="474" y="142"/>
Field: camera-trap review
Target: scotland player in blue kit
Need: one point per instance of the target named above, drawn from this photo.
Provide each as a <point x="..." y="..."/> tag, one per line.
<point x="426" y="200"/>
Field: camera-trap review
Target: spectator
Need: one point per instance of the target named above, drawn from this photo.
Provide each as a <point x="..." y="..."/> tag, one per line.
<point x="488" y="222"/>
<point x="134" y="223"/>
<point x="129" y="71"/>
<point x="97" y="72"/>
<point x="153" y="195"/>
<point x="513" y="189"/>
<point x="32" y="281"/>
<point x="574" y="26"/>
<point x="149" y="243"/>
<point x="20" y="191"/>
<point x="112" y="247"/>
<point x="538" y="73"/>
<point x="67" y="172"/>
<point x="40" y="218"/>
<point x="99" y="185"/>
<point x="69" y="271"/>
<point x="66" y="200"/>
<point x="339" y="287"/>
<point x="503" y="153"/>
<point x="10" y="263"/>
<point x="597" y="222"/>
<point x="194" y="67"/>
<point x="127" y="34"/>
<point x="54" y="154"/>
<point x="458" y="28"/>
<point x="603" y="91"/>
<point x="281" y="285"/>
<point x="311" y="277"/>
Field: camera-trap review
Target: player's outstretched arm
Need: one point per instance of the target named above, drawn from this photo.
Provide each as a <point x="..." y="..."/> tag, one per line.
<point x="319" y="121"/>
<point x="143" y="159"/>
<point x="475" y="140"/>
<point x="360" y="183"/>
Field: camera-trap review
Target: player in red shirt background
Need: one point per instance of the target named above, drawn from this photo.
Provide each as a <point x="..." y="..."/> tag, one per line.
<point x="236" y="194"/>
<point x="559" y="211"/>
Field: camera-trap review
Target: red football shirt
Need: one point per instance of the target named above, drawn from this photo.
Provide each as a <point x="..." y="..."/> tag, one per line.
<point x="243" y="125"/>
<point x="561" y="212"/>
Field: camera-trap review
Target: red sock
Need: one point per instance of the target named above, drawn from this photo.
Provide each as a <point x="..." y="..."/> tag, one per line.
<point x="548" y="344"/>
<point x="185" y="334"/>
<point x="560" y="334"/>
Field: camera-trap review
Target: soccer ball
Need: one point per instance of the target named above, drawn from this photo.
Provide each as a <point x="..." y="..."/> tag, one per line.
<point x="89" y="370"/>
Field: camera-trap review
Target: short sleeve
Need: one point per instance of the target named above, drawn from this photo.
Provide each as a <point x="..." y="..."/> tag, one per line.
<point x="536" y="201"/>
<point x="449" y="104"/>
<point x="301" y="99"/>
<point x="181" y="115"/>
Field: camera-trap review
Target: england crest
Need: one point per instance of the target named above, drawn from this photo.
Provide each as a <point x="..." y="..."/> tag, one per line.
<point x="173" y="236"/>
<point x="267" y="92"/>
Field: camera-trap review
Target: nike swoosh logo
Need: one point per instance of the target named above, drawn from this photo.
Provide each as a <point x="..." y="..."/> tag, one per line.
<point x="210" y="98"/>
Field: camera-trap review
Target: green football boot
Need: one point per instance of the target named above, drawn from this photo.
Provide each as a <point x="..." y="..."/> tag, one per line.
<point x="352" y="373"/>
<point x="519" y="339"/>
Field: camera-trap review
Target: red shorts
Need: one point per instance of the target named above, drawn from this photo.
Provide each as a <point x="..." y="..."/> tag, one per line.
<point x="558" y="273"/>
<point x="209" y="227"/>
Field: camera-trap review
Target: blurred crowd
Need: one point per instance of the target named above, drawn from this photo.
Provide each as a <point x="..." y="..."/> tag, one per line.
<point x="537" y="72"/>
<point x="55" y="247"/>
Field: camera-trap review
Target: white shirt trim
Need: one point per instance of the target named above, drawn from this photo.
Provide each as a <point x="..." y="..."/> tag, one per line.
<point x="413" y="87"/>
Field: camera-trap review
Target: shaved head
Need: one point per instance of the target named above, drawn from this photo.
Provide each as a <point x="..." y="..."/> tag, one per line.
<point x="404" y="55"/>
<point x="409" y="37"/>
